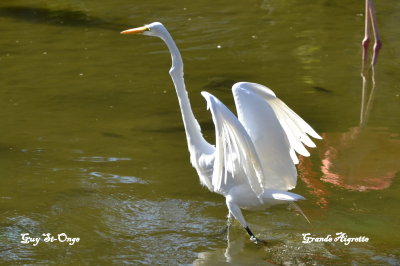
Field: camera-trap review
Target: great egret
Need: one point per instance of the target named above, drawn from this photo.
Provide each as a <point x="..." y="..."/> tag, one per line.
<point x="253" y="161"/>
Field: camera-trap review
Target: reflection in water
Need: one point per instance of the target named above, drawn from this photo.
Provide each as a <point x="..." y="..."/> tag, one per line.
<point x="62" y="17"/>
<point x="291" y="251"/>
<point x="288" y="250"/>
<point x="234" y="253"/>
<point x="361" y="159"/>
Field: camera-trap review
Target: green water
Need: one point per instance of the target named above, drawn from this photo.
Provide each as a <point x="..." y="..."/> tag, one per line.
<point x="92" y="142"/>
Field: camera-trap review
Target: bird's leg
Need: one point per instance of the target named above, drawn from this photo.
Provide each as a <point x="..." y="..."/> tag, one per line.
<point x="378" y="42"/>
<point x="365" y="41"/>
<point x="237" y="213"/>
<point x="252" y="236"/>
<point x="370" y="17"/>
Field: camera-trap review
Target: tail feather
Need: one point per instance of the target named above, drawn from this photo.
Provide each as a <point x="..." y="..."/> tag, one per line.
<point x="286" y="196"/>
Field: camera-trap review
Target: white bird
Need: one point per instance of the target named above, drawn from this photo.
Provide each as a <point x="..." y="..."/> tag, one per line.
<point x="253" y="161"/>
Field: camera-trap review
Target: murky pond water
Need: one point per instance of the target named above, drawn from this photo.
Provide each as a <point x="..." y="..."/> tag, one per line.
<point x="92" y="143"/>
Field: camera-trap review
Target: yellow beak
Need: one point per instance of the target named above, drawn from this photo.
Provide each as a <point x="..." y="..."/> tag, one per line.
<point x="135" y="30"/>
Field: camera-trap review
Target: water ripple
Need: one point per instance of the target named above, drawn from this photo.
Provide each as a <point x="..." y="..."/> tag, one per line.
<point x="114" y="178"/>
<point x="100" y="159"/>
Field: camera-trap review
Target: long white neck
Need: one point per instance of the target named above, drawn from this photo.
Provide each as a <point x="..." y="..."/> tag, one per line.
<point x="196" y="143"/>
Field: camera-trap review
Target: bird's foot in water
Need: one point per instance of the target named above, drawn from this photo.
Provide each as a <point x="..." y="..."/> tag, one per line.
<point x="257" y="241"/>
<point x="253" y="238"/>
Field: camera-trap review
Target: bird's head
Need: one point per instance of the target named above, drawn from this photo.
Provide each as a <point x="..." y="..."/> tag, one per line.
<point x="153" y="29"/>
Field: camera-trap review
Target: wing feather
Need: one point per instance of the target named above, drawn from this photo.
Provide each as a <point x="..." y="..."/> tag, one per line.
<point x="235" y="152"/>
<point x="276" y="130"/>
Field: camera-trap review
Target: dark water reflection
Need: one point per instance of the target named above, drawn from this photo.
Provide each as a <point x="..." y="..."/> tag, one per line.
<point x="61" y="17"/>
<point x="92" y="142"/>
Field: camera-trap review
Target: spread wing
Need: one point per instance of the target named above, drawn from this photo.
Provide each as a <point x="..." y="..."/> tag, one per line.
<point x="236" y="160"/>
<point x="276" y="131"/>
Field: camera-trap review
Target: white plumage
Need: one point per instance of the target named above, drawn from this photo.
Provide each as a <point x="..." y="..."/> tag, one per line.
<point x="253" y="161"/>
